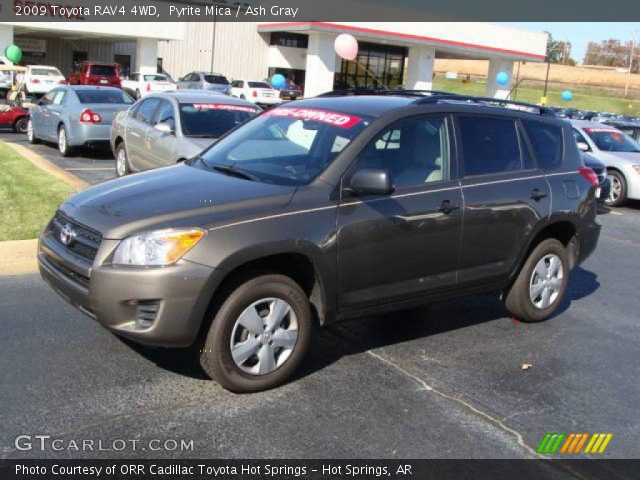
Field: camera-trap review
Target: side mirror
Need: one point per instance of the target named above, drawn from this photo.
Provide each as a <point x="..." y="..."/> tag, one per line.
<point x="372" y="182"/>
<point x="164" y="127"/>
<point x="583" y="147"/>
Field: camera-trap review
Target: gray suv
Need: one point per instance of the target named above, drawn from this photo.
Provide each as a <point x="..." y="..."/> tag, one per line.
<point x="205" y="81"/>
<point x="327" y="209"/>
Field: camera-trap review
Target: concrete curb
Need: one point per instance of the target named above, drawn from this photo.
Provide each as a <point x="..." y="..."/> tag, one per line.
<point x="44" y="164"/>
<point x="18" y="257"/>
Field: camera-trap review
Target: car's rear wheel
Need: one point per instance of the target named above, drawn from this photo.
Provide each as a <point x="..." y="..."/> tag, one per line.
<point x="541" y="284"/>
<point x="63" y="142"/>
<point x="259" y="335"/>
<point x="31" y="133"/>
<point x="618" y="191"/>
<point x="21" y="125"/>
<point x="122" y="161"/>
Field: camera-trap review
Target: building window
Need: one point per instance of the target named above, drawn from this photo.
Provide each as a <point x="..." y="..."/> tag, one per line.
<point x="286" y="39"/>
<point x="378" y="66"/>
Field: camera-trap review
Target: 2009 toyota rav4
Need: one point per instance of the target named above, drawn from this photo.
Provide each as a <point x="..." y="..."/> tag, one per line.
<point x="326" y="209"/>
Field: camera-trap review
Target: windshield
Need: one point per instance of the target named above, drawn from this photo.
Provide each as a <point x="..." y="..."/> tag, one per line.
<point x="46" y="72"/>
<point x="103" y="96"/>
<point x="156" y="78"/>
<point x="609" y="140"/>
<point x="212" y="120"/>
<point x="259" y="85"/>
<point x="287" y="146"/>
<point x="103" y="70"/>
<point x="216" y="79"/>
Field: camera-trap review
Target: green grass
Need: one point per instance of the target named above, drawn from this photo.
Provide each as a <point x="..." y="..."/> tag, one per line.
<point x="585" y="98"/>
<point x="29" y="196"/>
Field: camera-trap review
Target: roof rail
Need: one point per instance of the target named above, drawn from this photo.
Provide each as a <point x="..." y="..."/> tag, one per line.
<point x="527" y="107"/>
<point x="382" y="91"/>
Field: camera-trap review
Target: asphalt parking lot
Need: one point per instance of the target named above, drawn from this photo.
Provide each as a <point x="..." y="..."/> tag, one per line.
<point x="445" y="381"/>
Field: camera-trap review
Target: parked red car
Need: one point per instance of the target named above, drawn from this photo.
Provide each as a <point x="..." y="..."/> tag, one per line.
<point x="14" y="117"/>
<point x="95" y="73"/>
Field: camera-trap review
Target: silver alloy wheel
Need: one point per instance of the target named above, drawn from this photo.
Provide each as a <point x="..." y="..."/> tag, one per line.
<point x="264" y="336"/>
<point x="30" y="135"/>
<point x="546" y="281"/>
<point x="121" y="163"/>
<point x="62" y="140"/>
<point x="616" y="189"/>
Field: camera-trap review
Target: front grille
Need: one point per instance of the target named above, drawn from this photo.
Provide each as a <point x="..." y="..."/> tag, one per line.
<point x="146" y="312"/>
<point x="86" y="241"/>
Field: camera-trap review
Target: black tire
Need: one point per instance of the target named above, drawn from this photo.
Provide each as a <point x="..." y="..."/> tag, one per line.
<point x="216" y="358"/>
<point x="126" y="170"/>
<point x="243" y="97"/>
<point x="518" y="300"/>
<point x="31" y="134"/>
<point x="138" y="94"/>
<point x="21" y="125"/>
<point x="64" y="148"/>
<point x="612" y="200"/>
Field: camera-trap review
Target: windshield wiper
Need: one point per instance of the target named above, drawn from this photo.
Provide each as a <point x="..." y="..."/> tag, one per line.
<point x="234" y="172"/>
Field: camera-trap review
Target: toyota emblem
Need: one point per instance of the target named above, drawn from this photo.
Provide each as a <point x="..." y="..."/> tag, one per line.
<point x="67" y="235"/>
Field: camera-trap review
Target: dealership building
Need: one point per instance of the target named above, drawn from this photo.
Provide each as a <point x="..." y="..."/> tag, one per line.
<point x="390" y="54"/>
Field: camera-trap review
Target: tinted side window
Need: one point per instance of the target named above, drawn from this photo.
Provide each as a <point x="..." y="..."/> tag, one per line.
<point x="415" y="152"/>
<point x="489" y="145"/>
<point x="145" y="111"/>
<point x="546" y="141"/>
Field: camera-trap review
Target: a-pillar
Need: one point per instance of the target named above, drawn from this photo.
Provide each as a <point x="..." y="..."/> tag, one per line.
<point x="420" y="69"/>
<point x="146" y="55"/>
<point x="321" y="64"/>
<point x="494" y="89"/>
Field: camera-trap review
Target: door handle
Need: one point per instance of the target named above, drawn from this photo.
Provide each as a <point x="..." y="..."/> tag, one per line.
<point x="447" y="207"/>
<point x="537" y="195"/>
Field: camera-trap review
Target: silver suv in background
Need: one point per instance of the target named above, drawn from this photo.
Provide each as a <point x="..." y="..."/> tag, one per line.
<point x="205" y="81"/>
<point x="618" y="151"/>
<point x="166" y="128"/>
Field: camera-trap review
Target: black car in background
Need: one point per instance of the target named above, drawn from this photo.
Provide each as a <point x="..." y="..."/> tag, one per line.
<point x="629" y="127"/>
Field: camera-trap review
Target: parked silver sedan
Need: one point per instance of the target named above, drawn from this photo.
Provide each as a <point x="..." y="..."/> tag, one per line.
<point x="76" y="116"/>
<point x="166" y="128"/>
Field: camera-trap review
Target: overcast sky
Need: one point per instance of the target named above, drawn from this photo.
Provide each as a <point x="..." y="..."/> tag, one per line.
<point x="581" y="33"/>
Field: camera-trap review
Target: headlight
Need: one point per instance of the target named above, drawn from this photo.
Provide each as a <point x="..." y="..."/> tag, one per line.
<point x="159" y="248"/>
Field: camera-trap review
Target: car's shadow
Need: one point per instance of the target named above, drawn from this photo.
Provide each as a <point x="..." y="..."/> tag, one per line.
<point x="333" y="342"/>
<point x="631" y="205"/>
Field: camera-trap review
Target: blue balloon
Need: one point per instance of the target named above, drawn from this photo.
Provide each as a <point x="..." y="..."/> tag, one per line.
<point x="278" y="81"/>
<point x="502" y="78"/>
<point x="567" y="96"/>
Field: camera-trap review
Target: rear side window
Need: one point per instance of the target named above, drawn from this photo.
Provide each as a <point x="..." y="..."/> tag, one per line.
<point x="489" y="145"/>
<point x="547" y="144"/>
<point x="103" y="70"/>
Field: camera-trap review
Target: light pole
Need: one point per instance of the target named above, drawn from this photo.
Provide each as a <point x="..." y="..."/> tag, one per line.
<point x="633" y="47"/>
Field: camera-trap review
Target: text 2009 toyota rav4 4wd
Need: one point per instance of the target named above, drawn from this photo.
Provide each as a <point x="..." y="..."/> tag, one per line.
<point x="326" y="209"/>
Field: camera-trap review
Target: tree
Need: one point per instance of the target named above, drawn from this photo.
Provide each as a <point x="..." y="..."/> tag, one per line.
<point x="559" y="51"/>
<point x="611" y="53"/>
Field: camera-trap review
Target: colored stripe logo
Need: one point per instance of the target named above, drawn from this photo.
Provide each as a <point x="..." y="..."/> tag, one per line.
<point x="574" y="443"/>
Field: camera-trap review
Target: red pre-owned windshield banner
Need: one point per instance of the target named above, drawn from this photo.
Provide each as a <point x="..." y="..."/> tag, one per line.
<point x="222" y="106"/>
<point x="336" y="119"/>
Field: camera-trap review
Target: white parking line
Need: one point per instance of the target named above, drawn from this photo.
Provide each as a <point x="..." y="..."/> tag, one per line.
<point x="89" y="168"/>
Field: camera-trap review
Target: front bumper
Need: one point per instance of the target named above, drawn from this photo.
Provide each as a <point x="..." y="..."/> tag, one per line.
<point x="172" y="300"/>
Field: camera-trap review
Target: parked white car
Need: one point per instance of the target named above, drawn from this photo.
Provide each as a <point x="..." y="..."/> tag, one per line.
<point x="618" y="151"/>
<point x="259" y="93"/>
<point x="140" y="85"/>
<point x="41" y="79"/>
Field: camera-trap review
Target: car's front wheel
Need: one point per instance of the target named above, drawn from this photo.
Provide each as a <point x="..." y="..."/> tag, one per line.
<point x="138" y="94"/>
<point x="618" y="191"/>
<point x="63" y="142"/>
<point x="122" y="162"/>
<point x="31" y="133"/>
<point x="541" y="284"/>
<point x="259" y="335"/>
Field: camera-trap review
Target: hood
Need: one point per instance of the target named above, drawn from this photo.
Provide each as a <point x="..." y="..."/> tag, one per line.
<point x="631" y="157"/>
<point x="201" y="143"/>
<point x="183" y="195"/>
